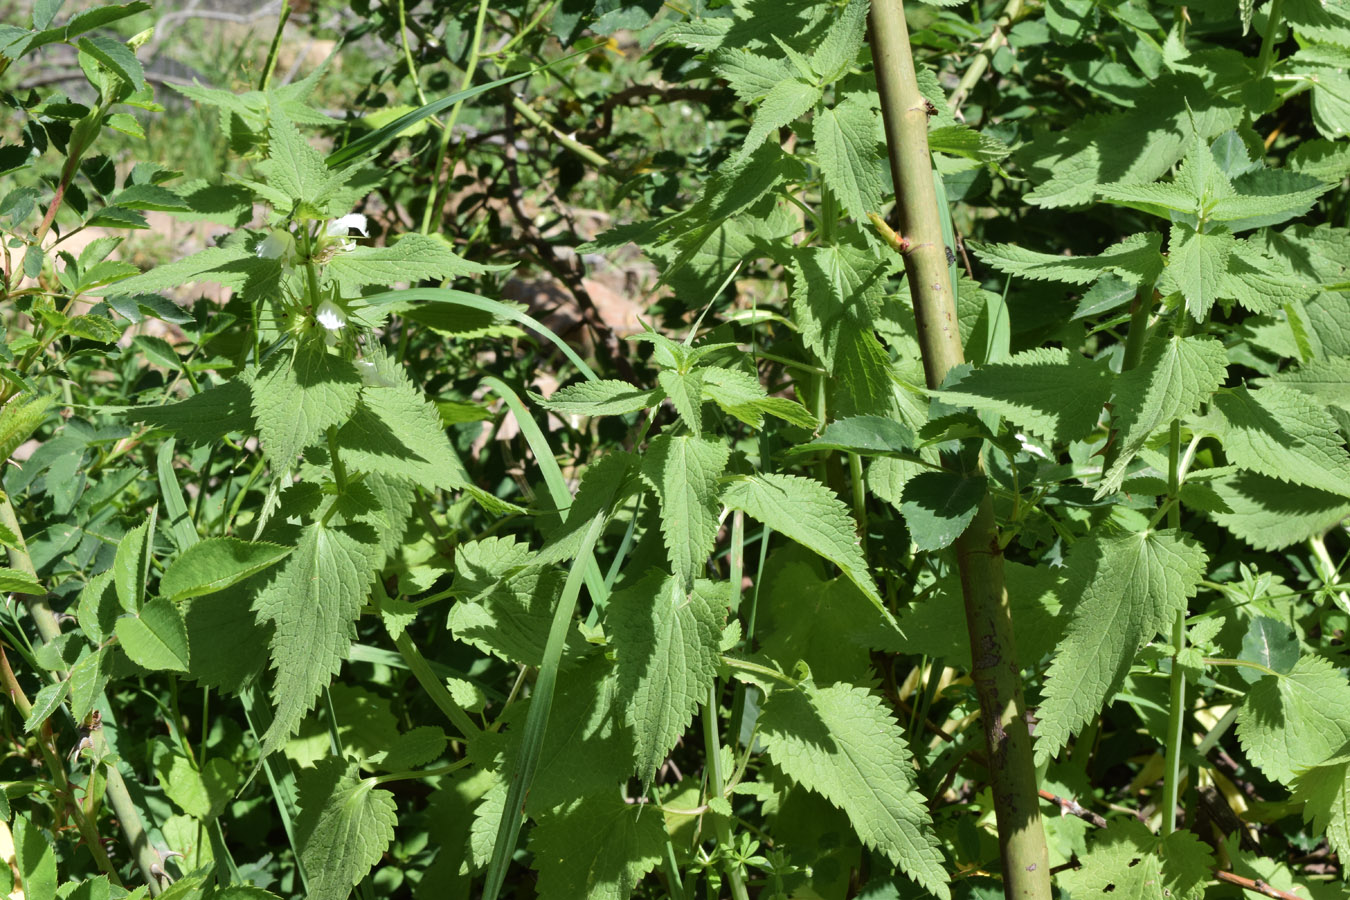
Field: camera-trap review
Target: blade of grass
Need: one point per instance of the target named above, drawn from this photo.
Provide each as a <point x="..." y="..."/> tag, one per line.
<point x="536" y="720"/>
<point x="496" y="307"/>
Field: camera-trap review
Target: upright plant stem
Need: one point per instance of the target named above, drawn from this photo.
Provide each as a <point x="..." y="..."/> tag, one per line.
<point x="980" y="64"/>
<point x="1173" y="772"/>
<point x="442" y="150"/>
<point x="995" y="671"/>
<point x="271" y="64"/>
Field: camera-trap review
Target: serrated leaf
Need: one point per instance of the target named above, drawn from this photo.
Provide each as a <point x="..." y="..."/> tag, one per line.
<point x="840" y="45"/>
<point x="201" y="794"/>
<point x="1127" y="861"/>
<point x="16" y="582"/>
<point x="1270" y="514"/>
<point x="864" y="435"/>
<point x="294" y="168"/>
<point x="1053" y="392"/>
<point x="1282" y="433"/>
<point x="1325" y="380"/>
<point x="685" y="471"/>
<point x="412" y="258"/>
<point x="295" y="403"/>
<point x="1195" y="262"/>
<point x="1325" y="794"/>
<point x="19" y="418"/>
<point x="666" y="647"/>
<point x="205" y="417"/>
<point x="156" y="639"/>
<point x="214" y="564"/>
<point x="600" y="398"/>
<point x="847" y="151"/>
<point x="685" y="390"/>
<point x="1137" y="259"/>
<point x="810" y="514"/>
<point x="599" y="848"/>
<point x="45" y="702"/>
<point x="88" y="677"/>
<point x="784" y="104"/>
<point x="344" y="827"/>
<point x="395" y="430"/>
<point x="1120" y="590"/>
<point x="129" y="566"/>
<point x="840" y="742"/>
<point x="939" y="505"/>
<point x="1293" y="722"/>
<point x="314" y="601"/>
<point x="117" y="57"/>
<point x="1175" y="376"/>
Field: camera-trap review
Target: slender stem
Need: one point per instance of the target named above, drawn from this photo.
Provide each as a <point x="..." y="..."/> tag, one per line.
<point x="855" y="473"/>
<point x="1173" y="771"/>
<point x="984" y="55"/>
<point x="271" y="64"/>
<point x="407" y="53"/>
<point x="442" y="155"/>
<point x="567" y="142"/>
<point x="421" y="669"/>
<point x="716" y="785"/>
<point x="1275" y="18"/>
<point x="1140" y="311"/>
<point x="995" y="670"/>
<point x="745" y="665"/>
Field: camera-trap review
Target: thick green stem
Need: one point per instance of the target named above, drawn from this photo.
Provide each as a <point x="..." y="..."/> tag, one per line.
<point x="1275" y="18"/>
<point x="995" y="671"/>
<point x="716" y="785"/>
<point x="270" y="65"/>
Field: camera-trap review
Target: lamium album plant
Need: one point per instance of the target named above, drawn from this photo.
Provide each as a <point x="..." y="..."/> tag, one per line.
<point x="808" y="449"/>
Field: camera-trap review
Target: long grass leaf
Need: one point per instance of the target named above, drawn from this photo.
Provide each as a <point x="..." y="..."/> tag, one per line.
<point x="536" y="720"/>
<point x="496" y="307"/>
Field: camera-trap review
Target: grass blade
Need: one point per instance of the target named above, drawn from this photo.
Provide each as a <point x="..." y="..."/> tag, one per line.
<point x="536" y="720"/>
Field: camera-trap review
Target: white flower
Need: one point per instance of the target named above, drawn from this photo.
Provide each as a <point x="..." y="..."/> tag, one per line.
<point x="279" y="244"/>
<point x="340" y="227"/>
<point x="330" y="316"/>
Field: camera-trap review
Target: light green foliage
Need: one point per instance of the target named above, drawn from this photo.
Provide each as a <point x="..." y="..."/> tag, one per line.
<point x="1296" y="721"/>
<point x="1325" y="793"/>
<point x="34" y="859"/>
<point x="1173" y="379"/>
<point x="313" y="601"/>
<point x="1054" y="393"/>
<point x="599" y="847"/>
<point x="1135" y="259"/>
<point x="1120" y="591"/>
<point x="1129" y="861"/>
<point x="201" y="793"/>
<point x="129" y="567"/>
<point x="1269" y="513"/>
<point x="215" y="564"/>
<point x="809" y="514"/>
<point x="413" y="257"/>
<point x="296" y="401"/>
<point x="345" y="826"/>
<point x="666" y="643"/>
<point x="600" y="398"/>
<point x="684" y="472"/>
<point x="1281" y="433"/>
<point x="939" y="505"/>
<point x="840" y="742"/>
<point x="846" y="148"/>
<point x="155" y="638"/>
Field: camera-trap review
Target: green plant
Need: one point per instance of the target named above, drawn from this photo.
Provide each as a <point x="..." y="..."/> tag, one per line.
<point x="330" y="588"/>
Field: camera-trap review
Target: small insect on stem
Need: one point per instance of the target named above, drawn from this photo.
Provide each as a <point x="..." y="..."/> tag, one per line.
<point x="897" y="243"/>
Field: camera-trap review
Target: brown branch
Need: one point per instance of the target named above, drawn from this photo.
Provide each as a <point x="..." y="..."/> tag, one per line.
<point x="1073" y="808"/>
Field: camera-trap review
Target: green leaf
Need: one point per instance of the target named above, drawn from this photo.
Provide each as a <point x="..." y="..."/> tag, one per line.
<point x="296" y="402"/>
<point x="1324" y="792"/>
<point x="1270" y="643"/>
<point x="230" y="647"/>
<point x="751" y="75"/>
<point x="1270" y="514"/>
<point x="201" y="794"/>
<point x="685" y="471"/>
<point x="832" y="293"/>
<point x="156" y="639"/>
<point x="19" y="418"/>
<point x="35" y="858"/>
<point x="99" y="607"/>
<point x="506" y="602"/>
<point x="47" y="701"/>
<point x="115" y="55"/>
<point x="1282" y="433"/>
<point x="345" y="826"/>
<point x="1175" y="376"/>
<point x="666" y="643"/>
<point x="685" y="390"/>
<point x="840" y="742"/>
<point x="939" y="505"/>
<point x="314" y="601"/>
<point x="1325" y="380"/>
<point x="1120" y="590"/>
<point x="295" y="169"/>
<point x="1053" y="392"/>
<point x="412" y="258"/>
<point x="395" y="430"/>
<point x="847" y="152"/>
<point x="233" y="266"/>
<point x="1131" y="863"/>
<point x="216" y="563"/>
<point x="16" y="582"/>
<point x="1195" y="262"/>
<point x="1293" y="722"/>
<point x="864" y="435"/>
<point x="784" y="104"/>
<point x="130" y="566"/>
<point x="205" y="417"/>
<point x="810" y="514"/>
<point x="1136" y="259"/>
<point x="598" y="847"/>
<point x="600" y="398"/>
<point x="840" y="45"/>
<point x="88" y="678"/>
